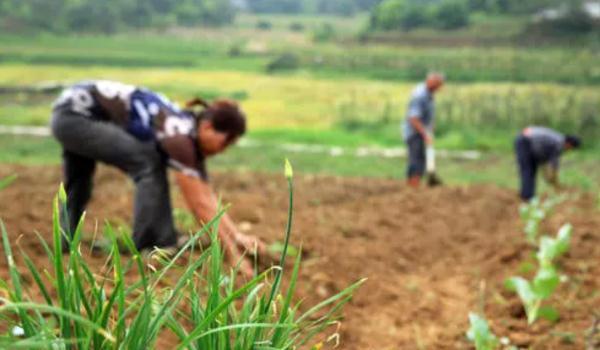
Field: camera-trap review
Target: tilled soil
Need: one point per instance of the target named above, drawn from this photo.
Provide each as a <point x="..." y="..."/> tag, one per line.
<point x="430" y="256"/>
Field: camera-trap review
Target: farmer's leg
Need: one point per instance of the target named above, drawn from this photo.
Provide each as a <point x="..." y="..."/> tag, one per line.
<point x="153" y="224"/>
<point x="141" y="160"/>
<point x="527" y="168"/>
<point x="416" y="159"/>
<point x="78" y="173"/>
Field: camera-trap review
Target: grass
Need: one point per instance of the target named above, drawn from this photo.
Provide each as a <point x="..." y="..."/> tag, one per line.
<point x="204" y="307"/>
<point x="482" y="116"/>
<point x="578" y="170"/>
<point x="6" y="181"/>
<point x="211" y="50"/>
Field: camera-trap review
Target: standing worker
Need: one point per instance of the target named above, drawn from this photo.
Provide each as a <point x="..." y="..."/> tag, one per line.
<point x="536" y="146"/>
<point x="419" y="126"/>
<point x="142" y="133"/>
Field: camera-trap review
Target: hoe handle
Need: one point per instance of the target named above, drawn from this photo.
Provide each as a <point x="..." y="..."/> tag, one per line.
<point x="430" y="157"/>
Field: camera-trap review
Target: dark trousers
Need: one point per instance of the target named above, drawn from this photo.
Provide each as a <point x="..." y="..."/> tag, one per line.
<point x="416" y="155"/>
<point x="86" y="141"/>
<point x="527" y="167"/>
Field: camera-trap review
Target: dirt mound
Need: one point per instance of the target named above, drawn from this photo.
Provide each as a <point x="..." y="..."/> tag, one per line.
<point x="430" y="256"/>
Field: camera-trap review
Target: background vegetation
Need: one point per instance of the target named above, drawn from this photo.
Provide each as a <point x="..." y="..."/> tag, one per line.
<point x="109" y="17"/>
<point x="313" y="72"/>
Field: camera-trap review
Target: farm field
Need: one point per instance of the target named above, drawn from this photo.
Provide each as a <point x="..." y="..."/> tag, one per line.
<point x="582" y="171"/>
<point x="426" y="272"/>
<point x="350" y="111"/>
<point x="329" y="92"/>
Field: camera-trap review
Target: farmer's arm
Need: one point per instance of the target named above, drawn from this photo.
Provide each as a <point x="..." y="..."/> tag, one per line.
<point x="416" y="110"/>
<point x="201" y="199"/>
<point x="421" y="129"/>
<point x="551" y="173"/>
<point x="204" y="205"/>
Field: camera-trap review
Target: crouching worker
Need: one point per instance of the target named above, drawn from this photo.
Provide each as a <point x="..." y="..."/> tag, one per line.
<point x="537" y="146"/>
<point x="142" y="133"/>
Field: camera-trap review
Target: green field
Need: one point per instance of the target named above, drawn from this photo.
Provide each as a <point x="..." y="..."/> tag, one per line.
<point x="249" y="49"/>
<point x="356" y="111"/>
<point x="338" y="93"/>
<point x="579" y="170"/>
<point x="325" y="86"/>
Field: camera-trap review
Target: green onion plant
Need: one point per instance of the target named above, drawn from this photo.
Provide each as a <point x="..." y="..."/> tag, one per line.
<point x="133" y="301"/>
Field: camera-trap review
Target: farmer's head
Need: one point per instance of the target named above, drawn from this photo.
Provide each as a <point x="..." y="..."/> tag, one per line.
<point x="435" y="81"/>
<point x="220" y="124"/>
<point x="572" y="142"/>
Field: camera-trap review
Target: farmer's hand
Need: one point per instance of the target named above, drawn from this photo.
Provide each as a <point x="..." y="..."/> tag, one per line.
<point x="428" y="137"/>
<point x="234" y="255"/>
<point x="251" y="244"/>
<point x="551" y="176"/>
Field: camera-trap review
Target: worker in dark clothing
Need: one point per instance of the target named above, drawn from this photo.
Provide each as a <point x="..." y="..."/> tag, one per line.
<point x="536" y="146"/>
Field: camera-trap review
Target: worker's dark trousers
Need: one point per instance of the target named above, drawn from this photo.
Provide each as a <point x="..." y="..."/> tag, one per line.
<point x="527" y="167"/>
<point x="416" y="155"/>
<point x="86" y="141"/>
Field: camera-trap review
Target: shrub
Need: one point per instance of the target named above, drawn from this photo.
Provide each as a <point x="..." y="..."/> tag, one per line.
<point x="452" y="14"/>
<point x="323" y="32"/>
<point x="236" y="49"/>
<point x="415" y="15"/>
<point x="574" y="21"/>
<point x="264" y="25"/>
<point x="285" y="61"/>
<point x="400" y="14"/>
<point x="296" y="27"/>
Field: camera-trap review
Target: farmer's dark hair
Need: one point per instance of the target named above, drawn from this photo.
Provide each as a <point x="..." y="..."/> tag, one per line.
<point x="225" y="115"/>
<point x="573" y="140"/>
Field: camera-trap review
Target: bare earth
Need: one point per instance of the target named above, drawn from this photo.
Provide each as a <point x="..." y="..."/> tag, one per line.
<point x="430" y="257"/>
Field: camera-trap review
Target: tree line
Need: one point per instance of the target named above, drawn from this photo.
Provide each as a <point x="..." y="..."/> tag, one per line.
<point x="334" y="7"/>
<point x="453" y="14"/>
<point x="114" y="15"/>
<point x="111" y="16"/>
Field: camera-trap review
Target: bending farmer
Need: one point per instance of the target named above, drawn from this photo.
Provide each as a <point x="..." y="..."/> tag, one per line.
<point x="540" y="146"/>
<point x="419" y="124"/>
<point x="141" y="133"/>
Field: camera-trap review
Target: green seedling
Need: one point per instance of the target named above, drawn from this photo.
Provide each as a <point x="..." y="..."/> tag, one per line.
<point x="532" y="294"/>
<point x="534" y="212"/>
<point x="6" y="181"/>
<point x="546" y="280"/>
<point x="277" y="248"/>
<point x="532" y="215"/>
<point x="551" y="249"/>
<point x="566" y="337"/>
<point x="480" y="333"/>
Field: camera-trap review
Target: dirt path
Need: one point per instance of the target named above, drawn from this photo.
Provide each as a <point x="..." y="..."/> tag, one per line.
<point x="428" y="256"/>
